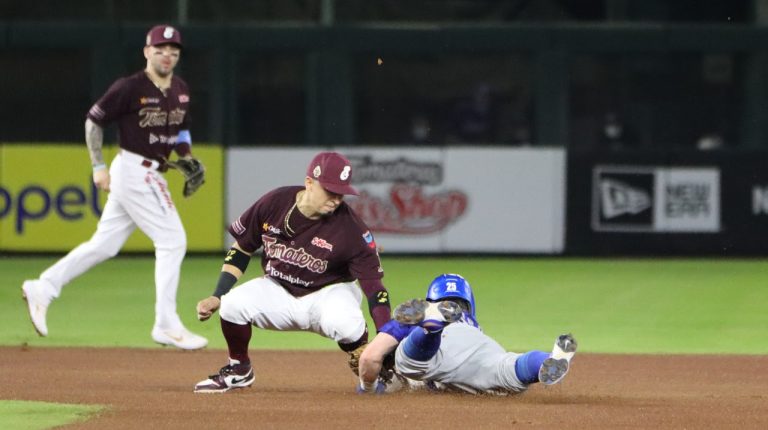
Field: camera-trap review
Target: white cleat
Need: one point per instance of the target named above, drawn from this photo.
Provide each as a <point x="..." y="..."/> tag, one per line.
<point x="554" y="368"/>
<point x="180" y="338"/>
<point x="37" y="300"/>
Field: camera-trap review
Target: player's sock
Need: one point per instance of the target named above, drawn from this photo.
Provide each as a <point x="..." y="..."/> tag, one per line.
<point x="527" y="366"/>
<point x="238" y="336"/>
<point x="422" y="345"/>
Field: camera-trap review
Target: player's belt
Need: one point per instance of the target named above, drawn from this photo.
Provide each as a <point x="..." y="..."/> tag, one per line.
<point x="151" y="164"/>
<point x="145" y="162"/>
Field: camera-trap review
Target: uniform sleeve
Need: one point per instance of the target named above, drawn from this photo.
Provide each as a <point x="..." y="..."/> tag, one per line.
<point x="397" y="330"/>
<point x="245" y="229"/>
<point x="110" y="105"/>
<point x="365" y="264"/>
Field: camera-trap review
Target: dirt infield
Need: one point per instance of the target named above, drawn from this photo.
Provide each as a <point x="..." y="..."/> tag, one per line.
<point x="152" y="389"/>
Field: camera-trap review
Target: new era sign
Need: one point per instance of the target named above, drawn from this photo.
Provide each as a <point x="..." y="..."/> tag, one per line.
<point x="651" y="199"/>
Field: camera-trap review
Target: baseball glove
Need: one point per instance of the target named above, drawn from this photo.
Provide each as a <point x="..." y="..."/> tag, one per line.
<point x="387" y="367"/>
<point x="354" y="359"/>
<point x="193" y="171"/>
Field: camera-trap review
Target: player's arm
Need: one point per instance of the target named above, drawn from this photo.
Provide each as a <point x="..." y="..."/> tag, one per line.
<point x="183" y="147"/>
<point x="235" y="263"/>
<point x="94" y="139"/>
<point x="372" y="359"/>
<point x="378" y="301"/>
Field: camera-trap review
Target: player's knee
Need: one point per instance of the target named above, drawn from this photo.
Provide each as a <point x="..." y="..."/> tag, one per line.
<point x="172" y="244"/>
<point x="348" y="330"/>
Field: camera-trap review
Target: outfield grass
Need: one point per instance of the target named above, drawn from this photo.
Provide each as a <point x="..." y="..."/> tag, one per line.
<point x="612" y="306"/>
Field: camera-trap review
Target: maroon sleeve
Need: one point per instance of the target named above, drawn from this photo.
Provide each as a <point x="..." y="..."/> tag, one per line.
<point x="378" y="301"/>
<point x="365" y="264"/>
<point x="110" y="105"/>
<point x="245" y="229"/>
<point x="182" y="149"/>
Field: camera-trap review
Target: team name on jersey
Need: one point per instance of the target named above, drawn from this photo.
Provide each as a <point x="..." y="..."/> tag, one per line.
<point x="156" y="117"/>
<point x="297" y="257"/>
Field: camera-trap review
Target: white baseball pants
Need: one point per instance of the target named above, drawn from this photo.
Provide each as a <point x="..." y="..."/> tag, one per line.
<point x="139" y="197"/>
<point x="333" y="312"/>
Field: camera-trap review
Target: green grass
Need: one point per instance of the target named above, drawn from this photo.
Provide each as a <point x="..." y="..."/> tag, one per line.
<point x="613" y="306"/>
<point x="24" y="415"/>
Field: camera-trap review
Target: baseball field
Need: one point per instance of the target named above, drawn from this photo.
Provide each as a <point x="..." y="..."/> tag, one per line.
<point x="663" y="343"/>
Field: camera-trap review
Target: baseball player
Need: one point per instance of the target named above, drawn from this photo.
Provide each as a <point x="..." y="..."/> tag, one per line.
<point x="314" y="249"/>
<point x="151" y="109"/>
<point x="439" y="345"/>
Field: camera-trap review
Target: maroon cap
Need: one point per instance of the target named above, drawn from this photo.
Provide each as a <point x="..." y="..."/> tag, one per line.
<point x="162" y="34"/>
<point x="333" y="171"/>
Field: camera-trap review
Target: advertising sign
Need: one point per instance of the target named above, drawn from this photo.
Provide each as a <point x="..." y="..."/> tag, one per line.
<point x="430" y="199"/>
<point x="656" y="199"/>
<point x="51" y="205"/>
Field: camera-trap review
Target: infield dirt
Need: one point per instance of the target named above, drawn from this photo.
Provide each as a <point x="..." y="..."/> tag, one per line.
<point x="152" y="389"/>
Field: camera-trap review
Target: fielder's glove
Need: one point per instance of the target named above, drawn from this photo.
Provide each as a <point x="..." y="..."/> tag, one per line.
<point x="193" y="171"/>
<point x="354" y="359"/>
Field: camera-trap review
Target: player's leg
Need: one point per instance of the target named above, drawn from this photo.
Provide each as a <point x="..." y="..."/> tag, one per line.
<point x="113" y="229"/>
<point x="260" y="302"/>
<point x="334" y="312"/>
<point x="152" y="209"/>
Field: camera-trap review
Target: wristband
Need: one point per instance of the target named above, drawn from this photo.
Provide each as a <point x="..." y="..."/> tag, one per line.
<point x="100" y="166"/>
<point x="237" y="258"/>
<point x="226" y="281"/>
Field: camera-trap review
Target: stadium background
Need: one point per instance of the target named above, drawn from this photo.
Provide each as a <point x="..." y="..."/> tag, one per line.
<point x="564" y="130"/>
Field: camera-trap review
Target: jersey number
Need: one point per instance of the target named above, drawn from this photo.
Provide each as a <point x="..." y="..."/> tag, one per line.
<point x="450" y="286"/>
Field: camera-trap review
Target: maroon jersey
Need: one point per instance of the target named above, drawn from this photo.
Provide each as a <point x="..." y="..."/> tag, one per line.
<point x="335" y="248"/>
<point x="148" y="120"/>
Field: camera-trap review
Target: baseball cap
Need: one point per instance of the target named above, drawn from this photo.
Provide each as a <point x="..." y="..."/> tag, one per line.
<point x="162" y="34"/>
<point x="333" y="171"/>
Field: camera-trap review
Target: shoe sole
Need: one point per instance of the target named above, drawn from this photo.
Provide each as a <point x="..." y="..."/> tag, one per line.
<point x="567" y="343"/>
<point x="553" y="370"/>
<point x="29" y="312"/>
<point x="413" y="312"/>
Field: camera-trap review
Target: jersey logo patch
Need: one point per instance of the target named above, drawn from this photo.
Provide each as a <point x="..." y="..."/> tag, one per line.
<point x="270" y="228"/>
<point x="238" y="227"/>
<point x="368" y="238"/>
<point x="183" y="98"/>
<point x="322" y="243"/>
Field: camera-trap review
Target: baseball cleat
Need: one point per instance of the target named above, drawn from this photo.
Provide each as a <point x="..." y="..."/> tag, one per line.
<point x="37" y="304"/>
<point x="554" y="368"/>
<point x="229" y="377"/>
<point x="180" y="338"/>
<point x="432" y="316"/>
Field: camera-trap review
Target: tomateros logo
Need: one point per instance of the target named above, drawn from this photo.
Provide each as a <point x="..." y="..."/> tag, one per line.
<point x="33" y="203"/>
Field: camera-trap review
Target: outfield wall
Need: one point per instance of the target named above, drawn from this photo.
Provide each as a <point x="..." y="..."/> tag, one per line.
<point x="431" y="200"/>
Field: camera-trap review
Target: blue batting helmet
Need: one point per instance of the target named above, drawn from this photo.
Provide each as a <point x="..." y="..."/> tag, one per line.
<point x="452" y="286"/>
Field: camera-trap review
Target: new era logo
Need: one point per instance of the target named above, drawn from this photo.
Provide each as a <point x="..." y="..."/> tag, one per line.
<point x="619" y="198"/>
<point x="623" y="198"/>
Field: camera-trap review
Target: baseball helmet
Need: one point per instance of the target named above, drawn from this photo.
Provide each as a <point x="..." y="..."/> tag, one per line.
<point x="449" y="285"/>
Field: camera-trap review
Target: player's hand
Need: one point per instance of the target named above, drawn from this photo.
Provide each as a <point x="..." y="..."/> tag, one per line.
<point x="101" y="179"/>
<point x="207" y="307"/>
